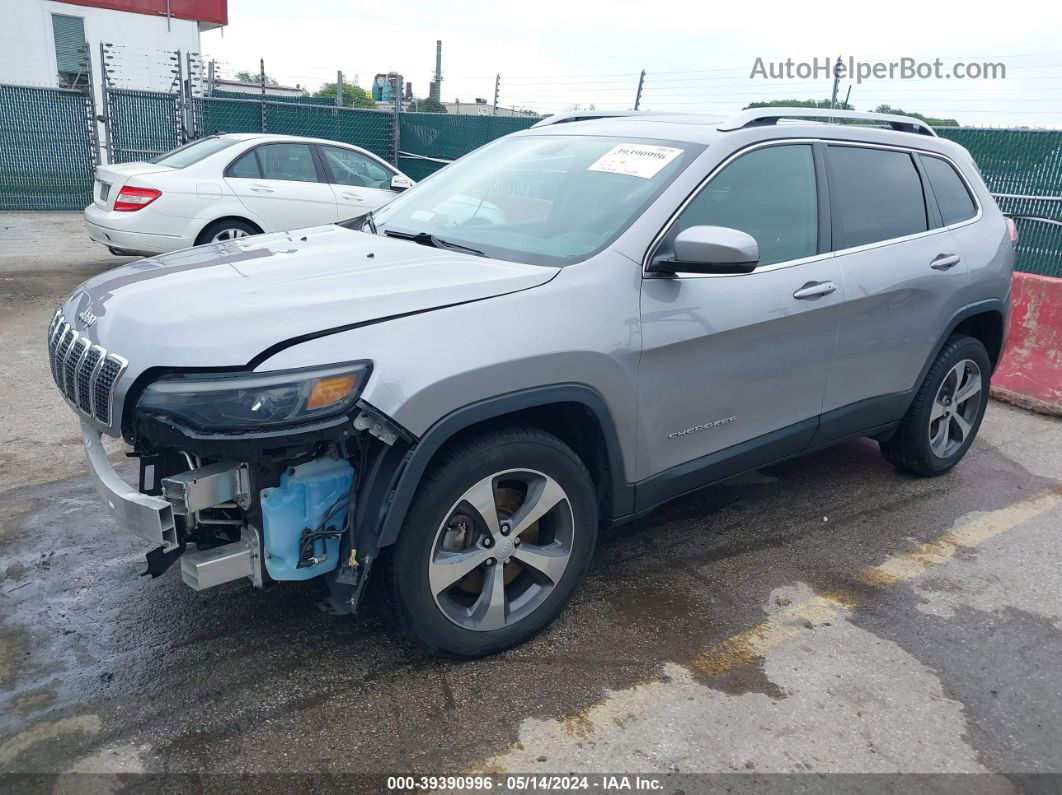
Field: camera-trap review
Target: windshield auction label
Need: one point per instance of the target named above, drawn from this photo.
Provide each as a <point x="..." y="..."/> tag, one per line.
<point x="635" y="160"/>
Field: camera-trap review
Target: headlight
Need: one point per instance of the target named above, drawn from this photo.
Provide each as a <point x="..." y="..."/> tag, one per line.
<point x="245" y="401"/>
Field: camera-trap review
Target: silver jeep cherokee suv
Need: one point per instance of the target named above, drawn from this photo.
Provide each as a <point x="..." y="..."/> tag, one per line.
<point x="553" y="335"/>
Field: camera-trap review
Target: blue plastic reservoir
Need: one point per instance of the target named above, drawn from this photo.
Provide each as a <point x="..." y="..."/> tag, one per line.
<point x="302" y="499"/>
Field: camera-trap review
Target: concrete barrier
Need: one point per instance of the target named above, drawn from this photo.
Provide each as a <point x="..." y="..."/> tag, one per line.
<point x="1030" y="373"/>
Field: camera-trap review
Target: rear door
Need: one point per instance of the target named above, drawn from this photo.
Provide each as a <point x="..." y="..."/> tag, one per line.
<point x="360" y="183"/>
<point x="904" y="276"/>
<point x="734" y="367"/>
<point x="284" y="186"/>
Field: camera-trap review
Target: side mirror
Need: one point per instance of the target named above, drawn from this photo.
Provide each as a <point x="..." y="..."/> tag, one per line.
<point x="710" y="249"/>
<point x="400" y="182"/>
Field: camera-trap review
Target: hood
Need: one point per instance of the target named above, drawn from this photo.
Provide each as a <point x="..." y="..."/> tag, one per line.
<point x="222" y="304"/>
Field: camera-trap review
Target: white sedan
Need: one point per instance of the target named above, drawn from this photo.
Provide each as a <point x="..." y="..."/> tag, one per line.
<point x="230" y="186"/>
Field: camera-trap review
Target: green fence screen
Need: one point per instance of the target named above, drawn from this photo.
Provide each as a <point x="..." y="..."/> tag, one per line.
<point x="297" y="99"/>
<point x="47" y="153"/>
<point x="369" y="129"/>
<point x="448" y="136"/>
<point x="143" y="124"/>
<point x="1019" y="163"/>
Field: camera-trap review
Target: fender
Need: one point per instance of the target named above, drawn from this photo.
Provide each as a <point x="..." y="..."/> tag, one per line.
<point x="977" y="308"/>
<point x="392" y="484"/>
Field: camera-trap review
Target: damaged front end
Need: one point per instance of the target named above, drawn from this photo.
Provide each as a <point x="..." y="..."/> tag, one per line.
<point x="257" y="476"/>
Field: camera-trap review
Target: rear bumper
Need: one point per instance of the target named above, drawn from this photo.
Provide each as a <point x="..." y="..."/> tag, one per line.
<point x="104" y="228"/>
<point x="148" y="517"/>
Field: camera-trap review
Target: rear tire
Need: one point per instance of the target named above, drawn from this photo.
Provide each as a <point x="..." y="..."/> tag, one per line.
<point x="225" y="230"/>
<point x="496" y="542"/>
<point x="944" y="417"/>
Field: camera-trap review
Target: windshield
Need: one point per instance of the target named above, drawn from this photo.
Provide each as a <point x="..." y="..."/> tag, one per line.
<point x="542" y="199"/>
<point x="192" y="153"/>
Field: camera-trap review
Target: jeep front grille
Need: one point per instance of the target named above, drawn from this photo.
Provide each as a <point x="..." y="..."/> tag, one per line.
<point x="84" y="372"/>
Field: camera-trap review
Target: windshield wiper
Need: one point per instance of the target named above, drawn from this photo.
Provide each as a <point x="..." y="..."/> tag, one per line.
<point x="428" y="239"/>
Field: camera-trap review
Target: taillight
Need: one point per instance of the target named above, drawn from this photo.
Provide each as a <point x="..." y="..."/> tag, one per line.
<point x="1013" y="229"/>
<point x="130" y="199"/>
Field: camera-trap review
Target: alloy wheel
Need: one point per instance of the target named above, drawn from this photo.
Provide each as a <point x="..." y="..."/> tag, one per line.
<point x="955" y="408"/>
<point x="501" y="550"/>
<point x="231" y="233"/>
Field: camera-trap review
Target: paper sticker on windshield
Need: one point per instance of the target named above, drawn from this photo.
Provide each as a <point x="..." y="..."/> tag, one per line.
<point x="635" y="160"/>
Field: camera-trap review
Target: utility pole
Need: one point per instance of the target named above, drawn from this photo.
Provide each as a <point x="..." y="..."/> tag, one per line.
<point x="339" y="89"/>
<point x="836" y="82"/>
<point x="638" y="95"/>
<point x="848" y="96"/>
<point x="210" y="78"/>
<point x="497" y="85"/>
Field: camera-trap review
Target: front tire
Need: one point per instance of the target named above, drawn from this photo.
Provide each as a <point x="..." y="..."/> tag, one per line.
<point x="944" y="417"/>
<point x="497" y="541"/>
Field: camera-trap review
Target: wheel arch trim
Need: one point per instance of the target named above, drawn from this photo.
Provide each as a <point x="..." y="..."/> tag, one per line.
<point x="411" y="471"/>
<point x="986" y="306"/>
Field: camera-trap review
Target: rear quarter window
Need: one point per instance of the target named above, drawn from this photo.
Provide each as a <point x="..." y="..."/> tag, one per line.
<point x="875" y="195"/>
<point x="952" y="196"/>
<point x="245" y="167"/>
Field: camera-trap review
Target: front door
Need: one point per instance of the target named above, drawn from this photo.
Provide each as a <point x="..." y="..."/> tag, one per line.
<point x="734" y="367"/>
<point x="359" y="182"/>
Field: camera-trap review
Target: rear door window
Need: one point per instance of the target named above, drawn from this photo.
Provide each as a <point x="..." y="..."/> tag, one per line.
<point x="292" y="162"/>
<point x="875" y="195"/>
<point x="770" y="194"/>
<point x="953" y="198"/>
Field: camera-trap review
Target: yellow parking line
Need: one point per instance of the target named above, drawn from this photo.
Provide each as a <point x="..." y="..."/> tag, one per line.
<point x="801" y="617"/>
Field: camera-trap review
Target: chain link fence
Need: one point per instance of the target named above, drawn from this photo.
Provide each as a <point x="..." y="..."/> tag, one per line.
<point x="296" y="99"/>
<point x="47" y="149"/>
<point x="1023" y="170"/>
<point x="429" y="140"/>
<point x="369" y="129"/>
<point x="142" y="125"/>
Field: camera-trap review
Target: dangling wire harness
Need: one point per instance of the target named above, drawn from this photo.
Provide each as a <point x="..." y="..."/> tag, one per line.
<point x="323" y="531"/>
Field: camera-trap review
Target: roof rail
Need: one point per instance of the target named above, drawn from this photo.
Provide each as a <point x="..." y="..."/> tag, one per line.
<point x="761" y="116"/>
<point x="584" y="115"/>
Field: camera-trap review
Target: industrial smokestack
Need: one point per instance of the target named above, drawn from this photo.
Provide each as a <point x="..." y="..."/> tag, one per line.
<point x="436" y="86"/>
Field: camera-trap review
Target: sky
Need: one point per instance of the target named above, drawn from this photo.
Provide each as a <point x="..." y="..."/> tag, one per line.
<point x="698" y="56"/>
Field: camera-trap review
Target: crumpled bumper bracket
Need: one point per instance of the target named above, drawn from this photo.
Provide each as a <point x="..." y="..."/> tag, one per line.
<point x="142" y="515"/>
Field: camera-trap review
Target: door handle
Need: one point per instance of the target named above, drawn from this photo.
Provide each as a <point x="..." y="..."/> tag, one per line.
<point x="353" y="197"/>
<point x="944" y="261"/>
<point x="815" y="290"/>
<point x="261" y="189"/>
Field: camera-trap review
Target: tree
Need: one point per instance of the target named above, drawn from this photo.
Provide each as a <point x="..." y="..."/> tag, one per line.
<point x="798" y="103"/>
<point x="429" y="105"/>
<point x="930" y="120"/>
<point x="353" y="96"/>
<point x="256" y="78"/>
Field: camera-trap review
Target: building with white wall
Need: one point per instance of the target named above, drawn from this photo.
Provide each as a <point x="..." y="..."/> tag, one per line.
<point x="41" y="40"/>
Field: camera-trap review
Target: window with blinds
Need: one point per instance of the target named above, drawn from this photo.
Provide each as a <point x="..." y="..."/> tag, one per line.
<point x="70" y="53"/>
